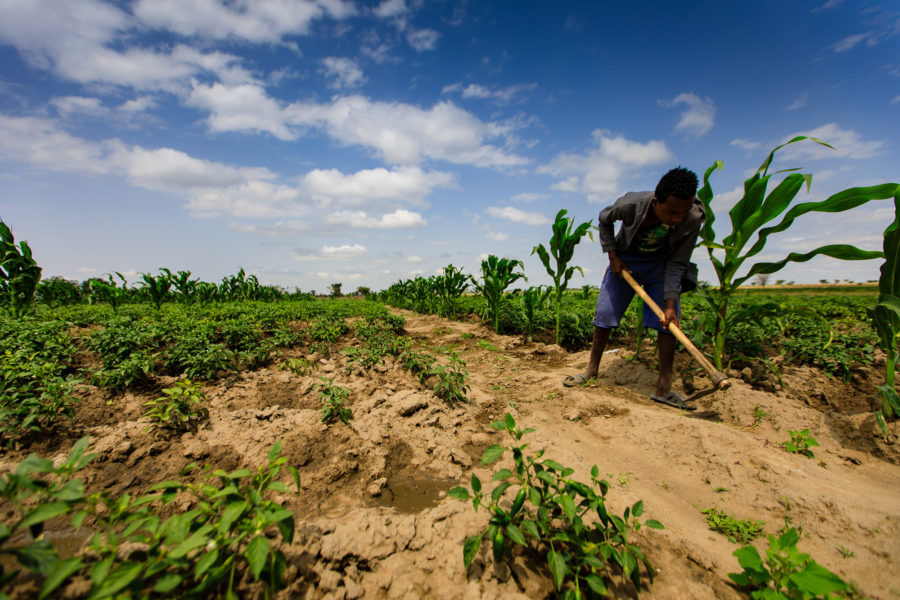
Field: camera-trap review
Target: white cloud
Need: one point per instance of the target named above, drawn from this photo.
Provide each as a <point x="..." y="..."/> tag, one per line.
<point x="343" y="252"/>
<point x="497" y="237"/>
<point x="401" y="184"/>
<point x="847" y="144"/>
<point x="423" y="40"/>
<point x="69" y="105"/>
<point x="391" y="8"/>
<point x="745" y="144"/>
<point x="698" y="117"/>
<point x="504" y="95"/>
<point x="413" y="259"/>
<point x="850" y="41"/>
<point x="344" y="73"/>
<point x="802" y="101"/>
<point x="896" y="100"/>
<point x="600" y="173"/>
<point x="399" y="219"/>
<point x="241" y="108"/>
<point x="515" y="215"/>
<point x="257" y="21"/>
<point x="528" y="197"/>
<point x="278" y="229"/>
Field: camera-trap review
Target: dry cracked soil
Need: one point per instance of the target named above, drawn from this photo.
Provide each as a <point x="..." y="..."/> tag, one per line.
<point x="373" y="517"/>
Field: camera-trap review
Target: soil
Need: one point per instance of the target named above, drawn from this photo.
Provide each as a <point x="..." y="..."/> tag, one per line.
<point x="373" y="518"/>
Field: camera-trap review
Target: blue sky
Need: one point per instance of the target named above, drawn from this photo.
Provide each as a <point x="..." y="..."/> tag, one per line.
<point x="313" y="142"/>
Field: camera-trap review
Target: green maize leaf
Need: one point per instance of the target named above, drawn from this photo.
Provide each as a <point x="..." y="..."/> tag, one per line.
<point x="765" y="165"/>
<point x="705" y="195"/>
<point x="61" y="571"/>
<point x="839" y="202"/>
<point x="840" y="251"/>
<point x="740" y="213"/>
<point x="775" y="204"/>
<point x="470" y="549"/>
<point x="887" y="324"/>
<point x="257" y="553"/>
<point x="879" y="419"/>
<point x="889" y="282"/>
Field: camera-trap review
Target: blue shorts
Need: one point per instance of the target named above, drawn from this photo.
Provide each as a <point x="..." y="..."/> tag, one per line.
<point x="615" y="293"/>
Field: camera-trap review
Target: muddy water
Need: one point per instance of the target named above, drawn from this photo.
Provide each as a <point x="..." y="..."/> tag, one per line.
<point x="413" y="494"/>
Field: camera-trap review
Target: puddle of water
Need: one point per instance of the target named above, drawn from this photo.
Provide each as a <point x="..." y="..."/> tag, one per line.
<point x="413" y="494"/>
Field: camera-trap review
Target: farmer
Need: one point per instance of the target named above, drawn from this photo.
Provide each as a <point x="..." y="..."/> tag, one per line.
<point x="658" y="234"/>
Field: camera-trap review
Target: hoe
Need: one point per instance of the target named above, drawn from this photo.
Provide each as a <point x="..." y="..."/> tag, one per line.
<point x="719" y="380"/>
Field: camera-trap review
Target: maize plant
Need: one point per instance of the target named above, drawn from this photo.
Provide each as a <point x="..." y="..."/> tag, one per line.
<point x="754" y="210"/>
<point x="497" y="274"/>
<point x="109" y="291"/>
<point x="157" y="287"/>
<point x="562" y="247"/>
<point x="19" y="274"/>
<point x="450" y="286"/>
<point x="886" y="318"/>
<point x="185" y="287"/>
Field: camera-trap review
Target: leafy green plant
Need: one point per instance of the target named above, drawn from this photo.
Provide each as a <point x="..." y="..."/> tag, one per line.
<point x="297" y="366"/>
<point x="748" y="217"/>
<point x="562" y="519"/>
<point x="451" y="286"/>
<point x="450" y="383"/>
<point x="533" y="300"/>
<point x="38" y="491"/>
<point x="198" y="553"/>
<point x="497" y="274"/>
<point x="19" y="274"/>
<point x="562" y="248"/>
<point x="58" y="291"/>
<point x="33" y="395"/>
<point x="157" y="287"/>
<point x="176" y="410"/>
<point x="886" y="317"/>
<point x="786" y="573"/>
<point x="333" y="398"/>
<point x="800" y="443"/>
<point x="110" y="291"/>
<point x="739" y="531"/>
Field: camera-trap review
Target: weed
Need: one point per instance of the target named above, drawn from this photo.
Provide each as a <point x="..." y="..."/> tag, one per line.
<point x="175" y="410"/>
<point x="297" y="366"/>
<point x="786" y="572"/>
<point x="720" y="489"/>
<point x="333" y="398"/>
<point x="486" y="345"/>
<point x="846" y="552"/>
<point x="562" y="519"/>
<point x="466" y="335"/>
<point x="663" y="485"/>
<point x="622" y="479"/>
<point x="800" y="443"/>
<point x="737" y="530"/>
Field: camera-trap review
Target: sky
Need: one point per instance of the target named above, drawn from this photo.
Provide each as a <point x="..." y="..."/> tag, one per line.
<point x="313" y="142"/>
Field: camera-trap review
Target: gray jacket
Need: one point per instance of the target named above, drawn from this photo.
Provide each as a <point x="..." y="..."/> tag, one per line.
<point x="631" y="210"/>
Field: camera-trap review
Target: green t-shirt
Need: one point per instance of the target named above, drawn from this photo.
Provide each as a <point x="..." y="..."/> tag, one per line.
<point x="648" y="241"/>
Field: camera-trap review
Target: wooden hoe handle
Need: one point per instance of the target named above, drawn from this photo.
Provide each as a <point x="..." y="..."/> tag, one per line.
<point x="719" y="380"/>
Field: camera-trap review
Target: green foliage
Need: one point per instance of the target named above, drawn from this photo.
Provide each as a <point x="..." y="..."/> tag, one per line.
<point x="19" y="274"/>
<point x="450" y="380"/>
<point x="739" y="531"/>
<point x="451" y="286"/>
<point x="333" y="398"/>
<point x="176" y="411"/>
<point x="886" y="318"/>
<point x="33" y="394"/>
<point x="561" y="519"/>
<point x="533" y="300"/>
<point x="37" y="492"/>
<point x="109" y="291"/>
<point x="786" y="573"/>
<point x="562" y="248"/>
<point x="58" y="291"/>
<point x="800" y="443"/>
<point x="748" y="218"/>
<point x="497" y="274"/>
<point x="297" y="366"/>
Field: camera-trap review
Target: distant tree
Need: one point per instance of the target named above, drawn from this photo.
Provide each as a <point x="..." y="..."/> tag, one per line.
<point x="335" y="290"/>
<point x="761" y="279"/>
<point x="58" y="291"/>
<point x="363" y="291"/>
<point x="779" y="282"/>
<point x="823" y="281"/>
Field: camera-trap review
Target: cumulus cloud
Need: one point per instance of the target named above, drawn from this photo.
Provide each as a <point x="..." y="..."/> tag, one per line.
<point x="391" y="8"/>
<point x="504" y="95"/>
<point x="511" y="213"/>
<point x="423" y="40"/>
<point x="601" y="171"/>
<point x="408" y="184"/>
<point x="343" y="73"/>
<point x="698" y="116"/>
<point x="745" y="144"/>
<point x="343" y="252"/>
<point x="847" y="144"/>
<point x="528" y="197"/>
<point x="497" y="237"/>
<point x="399" y="219"/>
<point x="274" y="230"/>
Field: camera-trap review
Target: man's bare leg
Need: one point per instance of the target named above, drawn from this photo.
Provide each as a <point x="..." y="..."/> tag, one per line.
<point x="666" y="343"/>
<point x="598" y="345"/>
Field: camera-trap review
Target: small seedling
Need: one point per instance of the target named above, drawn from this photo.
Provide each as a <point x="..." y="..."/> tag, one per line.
<point x="846" y="552"/>
<point x="739" y="531"/>
<point x="297" y="366"/>
<point x="333" y="396"/>
<point x="800" y="443"/>
<point x="486" y="345"/>
<point x="720" y="489"/>
<point x="175" y="410"/>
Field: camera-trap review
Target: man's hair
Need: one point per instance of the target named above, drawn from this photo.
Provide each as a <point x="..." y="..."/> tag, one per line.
<point x="678" y="182"/>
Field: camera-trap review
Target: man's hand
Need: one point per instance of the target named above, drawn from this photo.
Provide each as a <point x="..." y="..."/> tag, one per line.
<point x="671" y="315"/>
<point x="616" y="265"/>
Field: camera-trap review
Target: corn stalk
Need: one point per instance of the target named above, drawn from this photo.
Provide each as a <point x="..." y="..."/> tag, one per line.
<point x="19" y="274"/>
<point x="886" y="318"/>
<point x="754" y="210"/>
<point x="497" y="274"/>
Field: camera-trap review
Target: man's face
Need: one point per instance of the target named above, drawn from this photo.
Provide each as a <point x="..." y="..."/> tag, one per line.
<point x="673" y="210"/>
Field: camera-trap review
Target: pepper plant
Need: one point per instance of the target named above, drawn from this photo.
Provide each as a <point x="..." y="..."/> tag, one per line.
<point x="754" y="210"/>
<point x="497" y="274"/>
<point x="19" y="274"/>
<point x="562" y="247"/>
<point x="886" y="318"/>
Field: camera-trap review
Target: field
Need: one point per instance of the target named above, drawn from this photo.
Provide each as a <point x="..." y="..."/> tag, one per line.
<point x="372" y="517"/>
